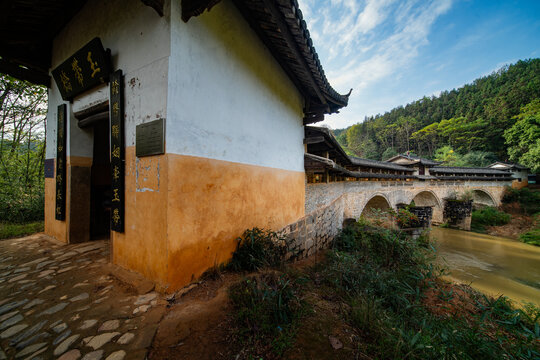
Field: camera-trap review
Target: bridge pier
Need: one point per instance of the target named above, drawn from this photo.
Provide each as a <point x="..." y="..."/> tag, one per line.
<point x="458" y="213"/>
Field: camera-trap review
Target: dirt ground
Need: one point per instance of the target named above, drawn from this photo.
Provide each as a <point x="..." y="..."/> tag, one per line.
<point x="518" y="224"/>
<point x="198" y="324"/>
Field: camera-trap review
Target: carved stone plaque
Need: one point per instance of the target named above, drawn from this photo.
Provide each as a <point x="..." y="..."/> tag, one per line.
<point x="150" y="138"/>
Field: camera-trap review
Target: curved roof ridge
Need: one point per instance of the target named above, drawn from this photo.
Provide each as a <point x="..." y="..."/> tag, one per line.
<point x="343" y="99"/>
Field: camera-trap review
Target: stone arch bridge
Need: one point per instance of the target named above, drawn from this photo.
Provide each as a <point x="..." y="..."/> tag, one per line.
<point x="329" y="204"/>
<point x="358" y="197"/>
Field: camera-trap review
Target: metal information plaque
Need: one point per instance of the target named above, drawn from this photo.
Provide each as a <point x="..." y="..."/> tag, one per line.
<point x="150" y="138"/>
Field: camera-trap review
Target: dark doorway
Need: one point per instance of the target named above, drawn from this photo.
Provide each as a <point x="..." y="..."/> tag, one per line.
<point x="422" y="170"/>
<point x="100" y="192"/>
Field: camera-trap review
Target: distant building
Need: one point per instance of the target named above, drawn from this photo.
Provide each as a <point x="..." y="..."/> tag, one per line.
<point x="420" y="165"/>
<point x="519" y="172"/>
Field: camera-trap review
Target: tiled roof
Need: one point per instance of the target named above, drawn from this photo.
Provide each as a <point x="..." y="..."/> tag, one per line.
<point x="465" y="170"/>
<point x="415" y="159"/>
<point x="280" y="25"/>
<point x="378" y="164"/>
<point x="509" y="165"/>
<point x="351" y="160"/>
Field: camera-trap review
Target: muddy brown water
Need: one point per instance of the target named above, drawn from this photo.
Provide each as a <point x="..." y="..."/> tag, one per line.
<point x="490" y="264"/>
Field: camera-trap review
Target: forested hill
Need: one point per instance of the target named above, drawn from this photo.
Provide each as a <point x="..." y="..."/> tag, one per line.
<point x="464" y="126"/>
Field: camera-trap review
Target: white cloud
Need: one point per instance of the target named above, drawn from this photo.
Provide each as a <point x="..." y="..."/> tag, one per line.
<point x="362" y="43"/>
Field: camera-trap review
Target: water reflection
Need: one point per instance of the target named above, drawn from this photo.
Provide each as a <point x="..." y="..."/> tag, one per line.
<point x="493" y="265"/>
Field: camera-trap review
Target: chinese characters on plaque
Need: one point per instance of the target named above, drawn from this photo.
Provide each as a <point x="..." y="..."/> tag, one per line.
<point x="117" y="150"/>
<point x="60" y="193"/>
<point x="88" y="67"/>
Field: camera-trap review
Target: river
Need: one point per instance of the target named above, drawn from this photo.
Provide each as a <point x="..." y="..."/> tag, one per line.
<point x="492" y="265"/>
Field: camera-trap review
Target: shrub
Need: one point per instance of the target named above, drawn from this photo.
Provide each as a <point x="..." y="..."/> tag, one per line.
<point x="406" y="219"/>
<point x="387" y="304"/>
<point x="528" y="199"/>
<point x="22" y="208"/>
<point x="16" y="230"/>
<point x="466" y="195"/>
<point x="490" y="216"/>
<point x="531" y="237"/>
<point x="258" y="248"/>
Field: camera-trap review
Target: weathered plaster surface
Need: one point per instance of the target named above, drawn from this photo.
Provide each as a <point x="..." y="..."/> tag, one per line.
<point x="140" y="45"/>
<point x="143" y="245"/>
<point x="212" y="202"/>
<point x="228" y="97"/>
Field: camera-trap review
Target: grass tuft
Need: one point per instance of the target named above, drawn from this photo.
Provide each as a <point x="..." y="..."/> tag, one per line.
<point x="8" y="230"/>
<point x="257" y="249"/>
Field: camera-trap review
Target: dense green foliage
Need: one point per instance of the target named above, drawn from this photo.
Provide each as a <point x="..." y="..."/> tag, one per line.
<point x="528" y="200"/>
<point x="531" y="237"/>
<point x="258" y="248"/>
<point x="469" y="121"/>
<point x="488" y="216"/>
<point x="523" y="138"/>
<point x="383" y="285"/>
<point x="383" y="276"/>
<point x="22" y="150"/>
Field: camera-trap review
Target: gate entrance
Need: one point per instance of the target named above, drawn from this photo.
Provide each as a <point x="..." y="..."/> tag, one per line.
<point x="100" y="187"/>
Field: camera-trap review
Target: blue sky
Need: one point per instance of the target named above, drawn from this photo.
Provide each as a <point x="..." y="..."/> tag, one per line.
<point x="392" y="52"/>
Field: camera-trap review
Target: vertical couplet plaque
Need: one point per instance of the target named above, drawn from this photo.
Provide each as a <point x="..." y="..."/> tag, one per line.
<point x="116" y="109"/>
<point x="60" y="209"/>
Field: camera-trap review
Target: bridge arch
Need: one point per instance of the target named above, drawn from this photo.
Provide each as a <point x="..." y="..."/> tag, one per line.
<point x="426" y="198"/>
<point x="483" y="198"/>
<point x="376" y="202"/>
<point x="429" y="198"/>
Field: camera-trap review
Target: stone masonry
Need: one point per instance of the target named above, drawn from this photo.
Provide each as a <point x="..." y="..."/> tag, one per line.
<point x="60" y="302"/>
<point x="314" y="231"/>
<point x="329" y="204"/>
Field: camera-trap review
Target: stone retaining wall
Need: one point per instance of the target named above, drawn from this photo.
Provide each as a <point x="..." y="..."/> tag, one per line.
<point x="314" y="231"/>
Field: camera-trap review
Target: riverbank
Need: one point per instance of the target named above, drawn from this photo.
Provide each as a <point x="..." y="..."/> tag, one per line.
<point x="376" y="294"/>
<point x="517" y="218"/>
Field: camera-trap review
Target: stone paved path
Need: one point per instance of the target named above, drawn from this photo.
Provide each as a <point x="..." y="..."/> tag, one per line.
<point x="60" y="302"/>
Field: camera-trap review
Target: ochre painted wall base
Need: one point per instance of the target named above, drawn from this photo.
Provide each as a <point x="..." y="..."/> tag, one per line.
<point x="184" y="213"/>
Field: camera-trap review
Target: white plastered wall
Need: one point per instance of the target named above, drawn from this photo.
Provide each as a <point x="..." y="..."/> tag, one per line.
<point x="139" y="40"/>
<point x="228" y="97"/>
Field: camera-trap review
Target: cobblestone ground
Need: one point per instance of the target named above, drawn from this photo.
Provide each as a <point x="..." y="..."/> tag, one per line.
<point x="59" y="301"/>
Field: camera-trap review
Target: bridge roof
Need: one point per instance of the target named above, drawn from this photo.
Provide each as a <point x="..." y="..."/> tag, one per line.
<point x="466" y="170"/>
<point x="314" y="162"/>
<point x="378" y="164"/>
<point x="321" y="140"/>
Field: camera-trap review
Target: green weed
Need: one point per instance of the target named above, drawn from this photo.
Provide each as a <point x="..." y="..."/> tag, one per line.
<point x="267" y="308"/>
<point x="531" y="237"/>
<point x="489" y="216"/>
<point x="258" y="248"/>
<point x="383" y="276"/>
<point x="8" y="230"/>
